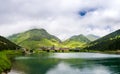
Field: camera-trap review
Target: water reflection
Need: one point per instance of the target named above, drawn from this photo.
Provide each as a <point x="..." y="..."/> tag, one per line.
<point x="84" y="55"/>
<point x="64" y="68"/>
<point x="68" y="63"/>
<point x="16" y="72"/>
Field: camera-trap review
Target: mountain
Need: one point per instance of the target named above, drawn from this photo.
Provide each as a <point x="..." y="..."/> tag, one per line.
<point x="76" y="41"/>
<point x="92" y="37"/>
<point x="5" y="44"/>
<point x="108" y="42"/>
<point x="34" y="38"/>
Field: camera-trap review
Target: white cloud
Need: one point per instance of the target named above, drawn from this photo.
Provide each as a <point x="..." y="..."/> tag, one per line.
<point x="60" y="17"/>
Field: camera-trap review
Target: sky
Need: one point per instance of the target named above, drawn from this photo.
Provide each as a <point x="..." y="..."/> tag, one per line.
<point x="62" y="18"/>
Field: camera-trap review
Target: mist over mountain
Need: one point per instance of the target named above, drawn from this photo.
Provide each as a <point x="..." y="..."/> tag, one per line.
<point x="92" y="37"/>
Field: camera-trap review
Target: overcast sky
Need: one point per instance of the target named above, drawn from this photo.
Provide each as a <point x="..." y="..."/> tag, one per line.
<point x="62" y="18"/>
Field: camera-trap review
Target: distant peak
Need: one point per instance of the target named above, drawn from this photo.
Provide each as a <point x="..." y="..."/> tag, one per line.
<point x="80" y="38"/>
<point x="78" y="35"/>
<point x="37" y="29"/>
<point x="81" y="35"/>
<point x="92" y="35"/>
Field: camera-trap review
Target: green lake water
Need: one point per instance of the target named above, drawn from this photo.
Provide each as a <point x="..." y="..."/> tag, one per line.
<point x="67" y="63"/>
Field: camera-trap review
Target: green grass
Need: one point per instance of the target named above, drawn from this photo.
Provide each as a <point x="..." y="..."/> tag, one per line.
<point x="31" y="44"/>
<point x="5" y="63"/>
<point x="73" y="44"/>
<point x="5" y="59"/>
<point x="34" y="39"/>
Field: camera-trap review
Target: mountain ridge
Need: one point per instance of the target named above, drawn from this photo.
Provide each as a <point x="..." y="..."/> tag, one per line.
<point x="76" y="41"/>
<point x="92" y="37"/>
<point x="108" y="42"/>
<point x="6" y="44"/>
<point x="34" y="38"/>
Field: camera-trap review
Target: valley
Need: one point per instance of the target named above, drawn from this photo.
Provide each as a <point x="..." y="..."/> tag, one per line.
<point x="39" y="41"/>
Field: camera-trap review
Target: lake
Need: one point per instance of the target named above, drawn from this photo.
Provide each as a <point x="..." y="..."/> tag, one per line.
<point x="67" y="63"/>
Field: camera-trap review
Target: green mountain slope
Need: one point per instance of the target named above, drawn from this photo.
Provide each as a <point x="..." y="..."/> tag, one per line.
<point x="76" y="41"/>
<point x="108" y="42"/>
<point x="5" y="44"/>
<point x="92" y="37"/>
<point x="34" y="38"/>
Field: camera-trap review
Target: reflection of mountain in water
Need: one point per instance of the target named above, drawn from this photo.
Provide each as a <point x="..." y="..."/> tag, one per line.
<point x="64" y="68"/>
<point x="43" y="65"/>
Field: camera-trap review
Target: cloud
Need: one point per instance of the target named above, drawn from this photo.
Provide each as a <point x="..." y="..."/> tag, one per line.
<point x="62" y="18"/>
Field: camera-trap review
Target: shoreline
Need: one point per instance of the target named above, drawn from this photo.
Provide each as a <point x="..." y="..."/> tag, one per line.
<point x="7" y="56"/>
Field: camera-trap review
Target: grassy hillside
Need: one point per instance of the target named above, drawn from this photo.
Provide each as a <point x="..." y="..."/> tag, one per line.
<point x="6" y="44"/>
<point x="108" y="42"/>
<point x="6" y="58"/>
<point x="76" y="41"/>
<point x="34" y="39"/>
<point x="92" y="37"/>
<point x="5" y="63"/>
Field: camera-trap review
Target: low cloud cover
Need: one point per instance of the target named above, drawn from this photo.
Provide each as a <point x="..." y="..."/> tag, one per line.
<point x="62" y="18"/>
